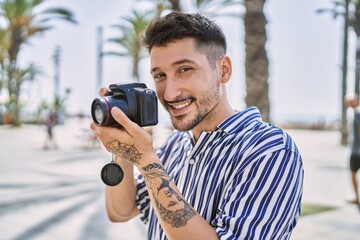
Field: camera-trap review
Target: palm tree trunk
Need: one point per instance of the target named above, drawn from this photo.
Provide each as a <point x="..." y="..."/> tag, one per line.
<point x="14" y="93"/>
<point x="136" y="68"/>
<point x="344" y="129"/>
<point x="13" y="81"/>
<point x="2" y="80"/>
<point x="256" y="61"/>
<point x="175" y="5"/>
<point x="13" y="104"/>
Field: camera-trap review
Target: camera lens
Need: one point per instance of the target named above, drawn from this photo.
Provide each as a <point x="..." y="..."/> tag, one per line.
<point x="99" y="116"/>
<point x="99" y="111"/>
<point x="101" y="107"/>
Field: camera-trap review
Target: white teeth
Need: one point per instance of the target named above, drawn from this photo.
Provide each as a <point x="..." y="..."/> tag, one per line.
<point x="181" y="105"/>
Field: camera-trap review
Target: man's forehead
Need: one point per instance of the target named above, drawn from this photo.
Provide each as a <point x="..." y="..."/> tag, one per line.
<point x="172" y="57"/>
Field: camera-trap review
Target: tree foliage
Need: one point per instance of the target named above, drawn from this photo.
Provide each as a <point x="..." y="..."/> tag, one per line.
<point x="130" y="29"/>
<point x="23" y="20"/>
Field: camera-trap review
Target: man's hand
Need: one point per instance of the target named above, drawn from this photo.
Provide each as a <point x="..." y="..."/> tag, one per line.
<point x="130" y="142"/>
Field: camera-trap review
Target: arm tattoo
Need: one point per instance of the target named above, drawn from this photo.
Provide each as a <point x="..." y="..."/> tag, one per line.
<point x="153" y="166"/>
<point x="153" y="171"/>
<point x="125" y="151"/>
<point x="172" y="209"/>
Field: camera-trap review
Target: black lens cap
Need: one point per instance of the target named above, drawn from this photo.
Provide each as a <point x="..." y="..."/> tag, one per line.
<point x="112" y="174"/>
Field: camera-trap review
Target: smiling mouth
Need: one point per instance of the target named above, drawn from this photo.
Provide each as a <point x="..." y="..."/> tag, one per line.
<point x="179" y="105"/>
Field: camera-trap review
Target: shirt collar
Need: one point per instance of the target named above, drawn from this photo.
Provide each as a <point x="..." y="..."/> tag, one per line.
<point x="240" y="120"/>
<point x="236" y="122"/>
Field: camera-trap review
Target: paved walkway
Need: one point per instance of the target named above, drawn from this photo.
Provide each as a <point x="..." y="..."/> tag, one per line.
<point x="327" y="183"/>
<point x="57" y="193"/>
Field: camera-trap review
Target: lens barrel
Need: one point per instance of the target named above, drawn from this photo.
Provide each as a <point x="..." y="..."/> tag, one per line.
<point x="100" y="111"/>
<point x="101" y="107"/>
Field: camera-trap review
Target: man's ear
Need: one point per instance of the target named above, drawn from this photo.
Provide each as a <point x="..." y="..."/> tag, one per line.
<point x="225" y="69"/>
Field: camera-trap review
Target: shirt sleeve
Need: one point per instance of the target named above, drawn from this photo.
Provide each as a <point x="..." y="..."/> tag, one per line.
<point x="263" y="201"/>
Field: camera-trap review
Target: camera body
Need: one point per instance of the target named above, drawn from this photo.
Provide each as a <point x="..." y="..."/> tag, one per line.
<point x="138" y="102"/>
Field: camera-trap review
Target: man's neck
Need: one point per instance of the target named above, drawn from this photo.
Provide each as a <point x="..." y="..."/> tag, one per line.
<point x="210" y="123"/>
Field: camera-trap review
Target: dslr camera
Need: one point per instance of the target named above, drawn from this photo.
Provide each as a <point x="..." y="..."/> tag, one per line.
<point x="138" y="102"/>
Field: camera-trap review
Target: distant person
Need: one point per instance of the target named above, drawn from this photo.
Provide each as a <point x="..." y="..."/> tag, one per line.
<point x="224" y="174"/>
<point x="353" y="102"/>
<point x="50" y="121"/>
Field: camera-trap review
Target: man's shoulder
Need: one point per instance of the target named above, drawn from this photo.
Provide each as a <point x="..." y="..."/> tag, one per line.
<point x="269" y="136"/>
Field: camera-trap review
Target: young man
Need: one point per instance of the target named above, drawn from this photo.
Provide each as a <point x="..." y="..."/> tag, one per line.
<point x="223" y="174"/>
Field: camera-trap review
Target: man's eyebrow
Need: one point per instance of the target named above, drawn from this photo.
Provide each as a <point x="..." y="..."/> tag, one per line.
<point x="154" y="69"/>
<point x="182" y="61"/>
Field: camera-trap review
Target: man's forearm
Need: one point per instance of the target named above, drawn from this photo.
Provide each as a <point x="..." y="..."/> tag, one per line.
<point x="177" y="217"/>
<point x="120" y="199"/>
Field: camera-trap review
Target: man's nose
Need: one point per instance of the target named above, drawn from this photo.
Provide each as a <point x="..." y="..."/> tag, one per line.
<point x="172" y="90"/>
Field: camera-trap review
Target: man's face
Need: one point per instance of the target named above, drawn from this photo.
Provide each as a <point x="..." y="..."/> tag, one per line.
<point x="187" y="86"/>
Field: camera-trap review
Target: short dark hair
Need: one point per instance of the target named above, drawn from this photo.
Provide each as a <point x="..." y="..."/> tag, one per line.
<point x="208" y="36"/>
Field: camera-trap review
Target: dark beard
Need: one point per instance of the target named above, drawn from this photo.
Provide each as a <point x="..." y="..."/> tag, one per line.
<point x="198" y="118"/>
<point x="201" y="115"/>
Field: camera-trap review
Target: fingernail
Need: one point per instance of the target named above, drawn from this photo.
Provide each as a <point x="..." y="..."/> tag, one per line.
<point x="115" y="110"/>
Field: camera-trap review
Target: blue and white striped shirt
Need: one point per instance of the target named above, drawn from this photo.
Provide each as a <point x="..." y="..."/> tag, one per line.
<point x="245" y="178"/>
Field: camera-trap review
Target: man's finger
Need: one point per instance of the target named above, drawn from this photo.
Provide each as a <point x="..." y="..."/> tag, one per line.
<point x="123" y="120"/>
<point x="94" y="127"/>
<point x="103" y="91"/>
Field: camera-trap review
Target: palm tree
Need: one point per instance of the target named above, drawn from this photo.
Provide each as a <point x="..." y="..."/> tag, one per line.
<point x="30" y="73"/>
<point x="218" y="8"/>
<point x="4" y="45"/>
<point x="24" y="19"/>
<point x="130" y="29"/>
<point x="256" y="61"/>
<point x="163" y="5"/>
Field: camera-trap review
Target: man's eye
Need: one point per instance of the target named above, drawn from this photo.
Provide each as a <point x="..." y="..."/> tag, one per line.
<point x="159" y="76"/>
<point x="185" y="69"/>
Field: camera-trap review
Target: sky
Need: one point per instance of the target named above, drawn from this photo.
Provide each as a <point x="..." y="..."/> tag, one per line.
<point x="304" y="49"/>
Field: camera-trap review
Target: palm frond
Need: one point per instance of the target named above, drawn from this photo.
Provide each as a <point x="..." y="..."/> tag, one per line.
<point x="60" y="13"/>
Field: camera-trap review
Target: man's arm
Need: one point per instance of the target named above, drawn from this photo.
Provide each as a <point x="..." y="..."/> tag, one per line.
<point x="120" y="199"/>
<point x="178" y="219"/>
<point x="134" y="145"/>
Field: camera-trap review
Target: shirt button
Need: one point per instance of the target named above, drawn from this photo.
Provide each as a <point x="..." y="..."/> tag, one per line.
<point x="192" y="161"/>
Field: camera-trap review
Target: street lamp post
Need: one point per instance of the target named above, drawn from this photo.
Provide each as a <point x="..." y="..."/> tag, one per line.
<point x="99" y="81"/>
<point x="56" y="58"/>
<point x="357" y="68"/>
